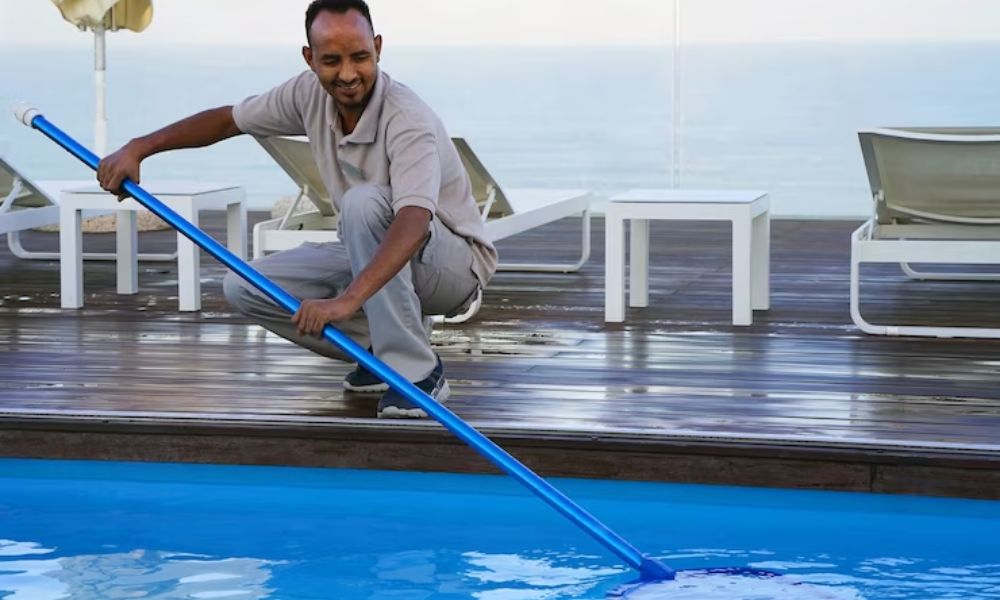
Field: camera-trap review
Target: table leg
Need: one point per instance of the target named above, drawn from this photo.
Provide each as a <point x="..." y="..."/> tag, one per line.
<point x="761" y="259"/>
<point x="188" y="263"/>
<point x="236" y="228"/>
<point x="638" y="263"/>
<point x="70" y="257"/>
<point x="127" y="245"/>
<point x="614" y="267"/>
<point x="742" y="313"/>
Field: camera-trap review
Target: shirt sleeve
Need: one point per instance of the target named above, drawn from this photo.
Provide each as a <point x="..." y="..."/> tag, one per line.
<point x="277" y="111"/>
<point x="414" y="164"/>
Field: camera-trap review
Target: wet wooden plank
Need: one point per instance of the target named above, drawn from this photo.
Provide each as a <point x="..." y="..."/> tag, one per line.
<point x="539" y="359"/>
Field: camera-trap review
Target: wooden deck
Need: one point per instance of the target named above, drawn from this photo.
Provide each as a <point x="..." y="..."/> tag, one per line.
<point x="800" y="399"/>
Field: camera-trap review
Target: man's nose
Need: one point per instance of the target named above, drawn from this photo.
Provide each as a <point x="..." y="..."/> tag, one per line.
<point x="348" y="73"/>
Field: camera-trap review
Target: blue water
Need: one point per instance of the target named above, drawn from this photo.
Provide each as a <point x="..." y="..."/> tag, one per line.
<point x="780" y="117"/>
<point x="119" y="530"/>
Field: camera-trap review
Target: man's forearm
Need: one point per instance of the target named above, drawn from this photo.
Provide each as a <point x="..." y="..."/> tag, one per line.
<point x="403" y="239"/>
<point x="202" y="129"/>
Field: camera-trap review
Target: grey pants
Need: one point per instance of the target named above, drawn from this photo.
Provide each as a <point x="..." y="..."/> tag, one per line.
<point x="437" y="280"/>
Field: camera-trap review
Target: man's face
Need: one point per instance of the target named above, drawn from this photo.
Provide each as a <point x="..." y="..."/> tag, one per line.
<point x="343" y="53"/>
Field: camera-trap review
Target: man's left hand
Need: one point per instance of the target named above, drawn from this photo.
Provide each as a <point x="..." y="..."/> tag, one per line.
<point x="313" y="315"/>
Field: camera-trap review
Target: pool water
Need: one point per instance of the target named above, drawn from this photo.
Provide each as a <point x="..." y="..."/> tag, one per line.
<point x="75" y="529"/>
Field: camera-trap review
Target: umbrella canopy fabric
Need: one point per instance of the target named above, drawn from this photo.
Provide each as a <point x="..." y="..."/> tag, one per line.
<point x="112" y="15"/>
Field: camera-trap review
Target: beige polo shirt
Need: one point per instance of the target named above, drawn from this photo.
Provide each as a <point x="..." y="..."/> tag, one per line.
<point x="399" y="142"/>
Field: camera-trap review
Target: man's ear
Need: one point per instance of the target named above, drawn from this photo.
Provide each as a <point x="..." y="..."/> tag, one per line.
<point x="378" y="47"/>
<point x="307" y="55"/>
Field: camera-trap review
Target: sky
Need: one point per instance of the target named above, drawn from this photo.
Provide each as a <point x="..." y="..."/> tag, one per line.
<point x="538" y="22"/>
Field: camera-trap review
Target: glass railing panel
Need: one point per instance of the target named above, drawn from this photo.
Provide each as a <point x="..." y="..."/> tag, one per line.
<point x="773" y="92"/>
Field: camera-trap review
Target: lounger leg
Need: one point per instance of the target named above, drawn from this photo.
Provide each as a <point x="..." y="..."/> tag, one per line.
<point x="638" y="263"/>
<point x="258" y="241"/>
<point x="742" y="250"/>
<point x="127" y="240"/>
<point x="559" y="267"/>
<point x="468" y="314"/>
<point x="188" y="264"/>
<point x="761" y="262"/>
<point x="945" y="276"/>
<point x="614" y="268"/>
<point x="865" y="249"/>
<point x="18" y="250"/>
<point x="70" y="258"/>
<point x="584" y="242"/>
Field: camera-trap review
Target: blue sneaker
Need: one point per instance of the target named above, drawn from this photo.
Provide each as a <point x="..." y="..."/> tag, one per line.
<point x="363" y="381"/>
<point x="394" y="406"/>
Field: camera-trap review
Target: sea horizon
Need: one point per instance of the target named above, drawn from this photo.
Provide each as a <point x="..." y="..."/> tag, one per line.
<point x="753" y="116"/>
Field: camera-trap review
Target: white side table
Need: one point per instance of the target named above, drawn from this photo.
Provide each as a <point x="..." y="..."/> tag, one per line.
<point x="748" y="212"/>
<point x="187" y="198"/>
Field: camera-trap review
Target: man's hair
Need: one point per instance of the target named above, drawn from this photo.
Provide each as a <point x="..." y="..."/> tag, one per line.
<point x="337" y="6"/>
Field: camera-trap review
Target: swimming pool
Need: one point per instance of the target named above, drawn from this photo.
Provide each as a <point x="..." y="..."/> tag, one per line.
<point x="75" y="529"/>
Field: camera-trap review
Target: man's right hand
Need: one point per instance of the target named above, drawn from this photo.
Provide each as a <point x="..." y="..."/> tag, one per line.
<point x="115" y="167"/>
<point x="202" y="129"/>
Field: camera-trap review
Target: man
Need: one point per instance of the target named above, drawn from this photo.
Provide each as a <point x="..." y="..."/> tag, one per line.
<point x="411" y="238"/>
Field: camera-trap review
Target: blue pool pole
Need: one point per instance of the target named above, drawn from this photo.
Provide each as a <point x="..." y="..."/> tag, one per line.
<point x="649" y="568"/>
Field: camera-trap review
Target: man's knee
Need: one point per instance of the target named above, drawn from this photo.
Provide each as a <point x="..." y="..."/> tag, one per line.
<point x="234" y="288"/>
<point x="367" y="204"/>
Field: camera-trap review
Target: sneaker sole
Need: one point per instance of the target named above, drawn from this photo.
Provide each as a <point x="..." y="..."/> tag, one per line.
<point x="395" y="412"/>
<point x="375" y="388"/>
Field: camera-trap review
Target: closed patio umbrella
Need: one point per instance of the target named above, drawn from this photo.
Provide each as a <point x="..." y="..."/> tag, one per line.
<point x="100" y="16"/>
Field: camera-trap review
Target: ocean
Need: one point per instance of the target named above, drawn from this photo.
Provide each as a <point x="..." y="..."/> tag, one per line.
<point x="777" y="117"/>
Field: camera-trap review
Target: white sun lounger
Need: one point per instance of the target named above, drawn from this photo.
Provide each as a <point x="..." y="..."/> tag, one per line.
<point x="505" y="212"/>
<point x="936" y="194"/>
<point x="26" y="204"/>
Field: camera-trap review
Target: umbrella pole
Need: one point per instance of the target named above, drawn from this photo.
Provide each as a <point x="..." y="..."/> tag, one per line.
<point x="100" y="89"/>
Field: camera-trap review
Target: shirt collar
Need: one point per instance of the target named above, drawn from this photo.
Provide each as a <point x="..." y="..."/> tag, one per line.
<point x="367" y="127"/>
